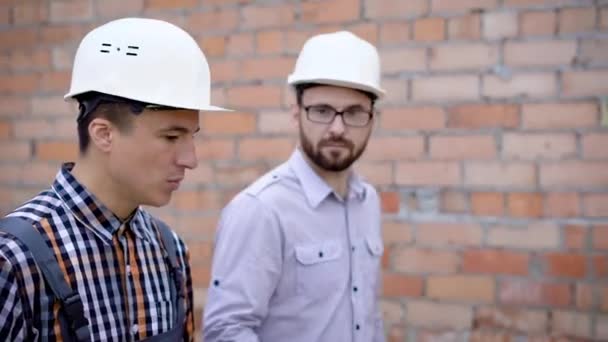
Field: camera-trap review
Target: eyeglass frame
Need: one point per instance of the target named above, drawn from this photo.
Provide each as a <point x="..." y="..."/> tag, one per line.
<point x="370" y="114"/>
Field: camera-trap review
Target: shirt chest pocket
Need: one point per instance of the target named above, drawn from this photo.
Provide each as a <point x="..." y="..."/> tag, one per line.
<point x="373" y="259"/>
<point x="320" y="269"/>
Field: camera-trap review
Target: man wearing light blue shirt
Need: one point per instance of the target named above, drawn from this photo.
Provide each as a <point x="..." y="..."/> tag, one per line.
<point x="298" y="253"/>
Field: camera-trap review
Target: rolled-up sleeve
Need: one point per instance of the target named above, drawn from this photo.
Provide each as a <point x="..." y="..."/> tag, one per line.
<point x="246" y="267"/>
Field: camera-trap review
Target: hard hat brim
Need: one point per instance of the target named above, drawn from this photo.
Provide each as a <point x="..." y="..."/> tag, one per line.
<point x="295" y="80"/>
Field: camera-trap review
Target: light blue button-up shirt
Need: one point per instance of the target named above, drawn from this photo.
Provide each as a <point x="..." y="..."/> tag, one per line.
<point x="295" y="262"/>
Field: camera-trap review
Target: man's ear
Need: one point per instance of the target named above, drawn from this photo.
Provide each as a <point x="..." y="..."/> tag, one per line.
<point x="101" y="132"/>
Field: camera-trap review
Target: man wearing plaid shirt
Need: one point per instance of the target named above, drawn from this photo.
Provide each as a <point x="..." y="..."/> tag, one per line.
<point x="140" y="85"/>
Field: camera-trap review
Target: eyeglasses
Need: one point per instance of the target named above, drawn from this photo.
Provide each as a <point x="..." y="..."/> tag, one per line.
<point x="352" y="116"/>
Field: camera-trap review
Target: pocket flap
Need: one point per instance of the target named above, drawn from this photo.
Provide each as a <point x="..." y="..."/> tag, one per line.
<point x="314" y="253"/>
<point x="375" y="246"/>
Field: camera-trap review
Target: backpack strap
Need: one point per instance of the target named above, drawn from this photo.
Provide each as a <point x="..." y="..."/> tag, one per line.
<point x="177" y="288"/>
<point x="71" y="303"/>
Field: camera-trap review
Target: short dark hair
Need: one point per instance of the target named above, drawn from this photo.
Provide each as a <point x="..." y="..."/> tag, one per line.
<point x="300" y="88"/>
<point x="119" y="114"/>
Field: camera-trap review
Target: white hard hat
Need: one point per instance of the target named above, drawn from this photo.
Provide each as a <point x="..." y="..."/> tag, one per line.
<point x="146" y="60"/>
<point x="340" y="59"/>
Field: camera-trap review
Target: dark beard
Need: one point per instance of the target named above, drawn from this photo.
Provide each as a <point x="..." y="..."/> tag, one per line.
<point x="335" y="164"/>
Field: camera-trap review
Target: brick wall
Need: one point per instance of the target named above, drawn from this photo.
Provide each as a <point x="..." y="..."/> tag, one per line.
<point x="489" y="152"/>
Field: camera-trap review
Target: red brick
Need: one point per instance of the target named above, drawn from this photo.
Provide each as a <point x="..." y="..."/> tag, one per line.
<point x="201" y="275"/>
<point x="14" y="151"/>
<point x="509" y="319"/>
<point x="574" y="174"/>
<point x="604" y="18"/>
<point x="440" y="316"/>
<point x="529" y="85"/>
<point x="5" y="130"/>
<point x="30" y="59"/>
<point x="70" y="11"/>
<point x="594" y="146"/>
<point x="594" y="52"/>
<point x="476" y="116"/>
<point x="396" y="333"/>
<point x="544" y="54"/>
<point x="596" y="205"/>
<point x="254" y="96"/>
<point x="565" y="265"/>
<point x="454" y="202"/>
<point x="562" y="204"/>
<point x="397" y="61"/>
<point x="449" y="234"/>
<point x="330" y="11"/>
<point x="227" y="123"/>
<point x="600" y="237"/>
<point x="428" y="173"/>
<point x="39" y="173"/>
<point x="237" y="176"/>
<point x="18" y="37"/>
<point x="396" y="91"/>
<point x="62" y="151"/>
<point x="376" y="173"/>
<point x="525" y="204"/>
<point x="446" y="88"/>
<point x="412" y="118"/>
<point x="367" y="31"/>
<point x="575" y="237"/>
<point x="463" y="56"/>
<point x="170" y="4"/>
<point x="267" y="16"/>
<point x="461" y="288"/>
<point x="394" y="33"/>
<point x="600" y="266"/>
<point x="389" y="201"/>
<point x="467" y="27"/>
<point x="376" y="9"/>
<point x="394" y="148"/>
<point x="500" y="174"/>
<point x="584" y="296"/>
<point x="533" y="3"/>
<point x="216" y="149"/>
<point x="532" y="236"/>
<point x="269" y="42"/>
<point x="202" y="175"/>
<point x="55" y="81"/>
<point x="492" y="261"/>
<point x="19" y="83"/>
<point x="294" y="40"/>
<point x="559" y="115"/>
<point x="276" y="122"/>
<point x="461" y="147"/>
<point x="118" y="8"/>
<point x="539" y="146"/>
<point x="499" y="25"/>
<point x="570" y="323"/>
<point x="396" y="232"/>
<point x="462" y="5"/>
<point x="573" y="20"/>
<point x="585" y="83"/>
<point x="429" y="29"/>
<point x="219" y="19"/>
<point x="213" y="46"/>
<point x="266" y="68"/>
<point x="398" y="285"/>
<point x="30" y="13"/>
<point x="63" y="33"/>
<point x="487" y="204"/>
<point x="520" y="292"/>
<point x="538" y="23"/>
<point x="223" y="71"/>
<point x="241" y="44"/>
<point x="265" y="148"/>
<point x="416" y="260"/>
<point x="13" y="106"/>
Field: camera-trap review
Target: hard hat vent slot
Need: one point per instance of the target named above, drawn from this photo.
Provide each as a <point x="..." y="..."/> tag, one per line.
<point x="104" y="46"/>
<point x="133" y="50"/>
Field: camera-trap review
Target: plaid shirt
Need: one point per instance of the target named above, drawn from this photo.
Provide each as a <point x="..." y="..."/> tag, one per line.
<point x="117" y="267"/>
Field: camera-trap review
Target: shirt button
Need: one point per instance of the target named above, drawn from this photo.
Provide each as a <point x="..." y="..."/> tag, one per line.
<point x="357" y="327"/>
<point x="134" y="329"/>
<point x="353" y="248"/>
<point x="355" y="289"/>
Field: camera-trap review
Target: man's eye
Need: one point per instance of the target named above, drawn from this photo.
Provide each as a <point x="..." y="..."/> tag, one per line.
<point x="171" y="137"/>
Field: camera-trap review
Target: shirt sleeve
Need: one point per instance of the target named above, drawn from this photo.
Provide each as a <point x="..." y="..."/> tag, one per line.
<point x="12" y="321"/>
<point x="246" y="268"/>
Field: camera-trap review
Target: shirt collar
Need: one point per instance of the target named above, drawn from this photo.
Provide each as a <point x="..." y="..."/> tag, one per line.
<point x="314" y="187"/>
<point x="89" y="210"/>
